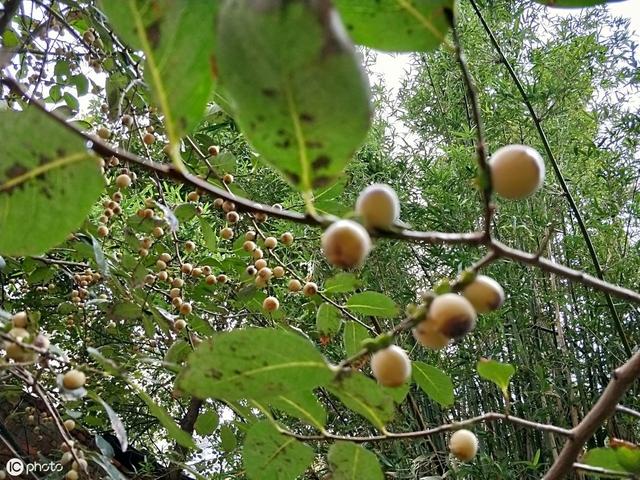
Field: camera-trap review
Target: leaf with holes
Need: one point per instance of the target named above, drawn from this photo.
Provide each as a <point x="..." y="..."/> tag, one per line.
<point x="349" y="461"/>
<point x="364" y="396"/>
<point x="48" y="183"/>
<point x="300" y="94"/>
<point x="269" y="455"/>
<point x="302" y="405"/>
<point x="372" y="303"/>
<point x="254" y="363"/>
<point x="434" y="382"/>
<point x="396" y="25"/>
<point x="178" y="41"/>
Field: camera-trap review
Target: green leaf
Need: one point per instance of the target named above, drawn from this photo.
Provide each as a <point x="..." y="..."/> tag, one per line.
<point x="349" y="461"/>
<point x="496" y="372"/>
<point x="175" y="432"/>
<point x="434" y="382"/>
<point x="178" y="352"/>
<point x="352" y="337"/>
<point x="206" y="423"/>
<point x="396" y="25"/>
<point x="254" y="363"/>
<point x="328" y="319"/>
<point x="116" y="422"/>
<point x="604" y="458"/>
<point x="209" y="235"/>
<point x="228" y="439"/>
<point x="302" y="405"/>
<point x="48" y="183"/>
<point x="269" y="455"/>
<point x="398" y="393"/>
<point x="365" y="397"/>
<point x="185" y="212"/>
<point x="373" y="303"/>
<point x="300" y="94"/>
<point x="178" y="41"/>
<point x="343" y="282"/>
<point x="628" y="458"/>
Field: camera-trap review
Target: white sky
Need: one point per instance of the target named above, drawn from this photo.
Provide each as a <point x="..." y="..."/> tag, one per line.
<point x="392" y="67"/>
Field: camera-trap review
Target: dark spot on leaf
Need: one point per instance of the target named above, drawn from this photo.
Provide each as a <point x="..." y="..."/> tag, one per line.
<point x="322" y="181"/>
<point x="306" y="117"/>
<point x="269" y="92"/>
<point x="321" y="161"/>
<point x="313" y="144"/>
<point x="284" y="144"/>
<point x="294" y="177"/>
<point x="153" y="33"/>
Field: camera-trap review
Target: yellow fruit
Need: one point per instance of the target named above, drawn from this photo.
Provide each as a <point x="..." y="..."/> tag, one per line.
<point x="20" y="320"/>
<point x="189" y="247"/>
<point x="517" y="171"/>
<point x="260" y="264"/>
<point x="213" y="150"/>
<point x="378" y="206"/>
<point x="193" y="196"/>
<point x="174" y="293"/>
<point x="346" y="244"/>
<point x="249" y="246"/>
<point x="233" y="217"/>
<point x="270" y="243"/>
<point x="149" y="138"/>
<point x="451" y="315"/>
<point x="463" y="444"/>
<point x="227" y="178"/>
<point x="295" y="285"/>
<point x="123" y="181"/>
<point x="278" y="272"/>
<point x="104" y="133"/>
<point x="211" y="280"/>
<point x="226" y="233"/>
<point x="271" y="304"/>
<point x="391" y="366"/>
<point x="427" y="336"/>
<point x="265" y="273"/>
<point x="250" y="235"/>
<point x="103" y="231"/>
<point x="310" y="289"/>
<point x="186" y="268"/>
<point x="186" y="308"/>
<point x="73" y="379"/>
<point x="484" y="293"/>
<point x="158" y="232"/>
<point x="69" y="424"/>
<point x="286" y="238"/>
<point x="177" y="283"/>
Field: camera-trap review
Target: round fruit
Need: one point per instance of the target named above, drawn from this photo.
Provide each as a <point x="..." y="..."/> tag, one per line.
<point x="261" y="217"/>
<point x="73" y="379"/>
<point x="226" y="233"/>
<point x="391" y="366"/>
<point x="174" y="293"/>
<point x="295" y="285"/>
<point x="310" y="289"/>
<point x="211" y="280"/>
<point x="228" y="206"/>
<point x="127" y="120"/>
<point x="104" y="133"/>
<point x="378" y="206"/>
<point x="517" y="171"/>
<point x="222" y="278"/>
<point x="265" y="273"/>
<point x="186" y="268"/>
<point x="260" y="264"/>
<point x="165" y="257"/>
<point x="286" y="238"/>
<point x="103" y="231"/>
<point x="227" y="178"/>
<point x="189" y="247"/>
<point x="346" y="244"/>
<point x="163" y="276"/>
<point x="271" y="304"/>
<point x="278" y="272"/>
<point x="213" y="150"/>
<point x="161" y="265"/>
<point x="428" y="337"/>
<point x="451" y="315"/>
<point x="218" y="202"/>
<point x="270" y="243"/>
<point x="193" y="196"/>
<point x="196" y="272"/>
<point x="250" y="235"/>
<point x="149" y="138"/>
<point x="20" y="320"/>
<point x="69" y="424"/>
<point x="463" y="444"/>
<point x="177" y="283"/>
<point x="158" y="232"/>
<point x="123" y="181"/>
<point x="249" y="246"/>
<point x="233" y="217"/>
<point x="251" y="270"/>
<point x="186" y="308"/>
<point x="484" y="293"/>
